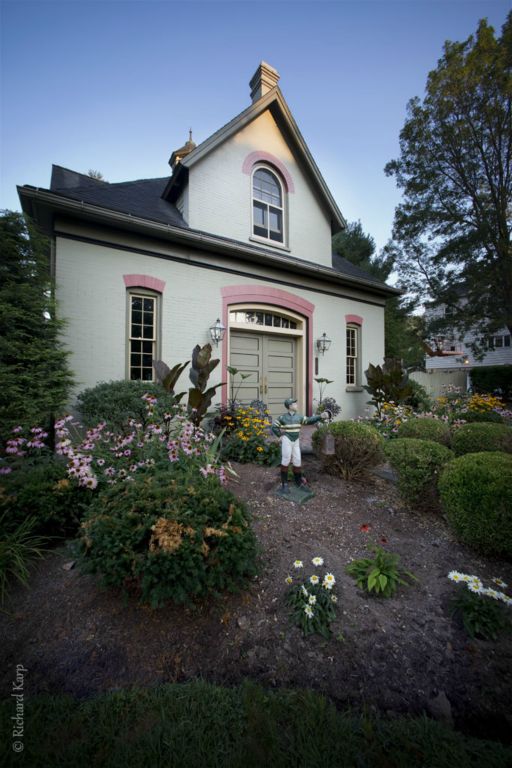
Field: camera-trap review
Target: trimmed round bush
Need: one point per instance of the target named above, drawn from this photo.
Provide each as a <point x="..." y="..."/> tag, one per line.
<point x="118" y="401"/>
<point x="168" y="538"/>
<point x="476" y="496"/>
<point x="425" y="429"/>
<point x="41" y="489"/>
<point x="418" y="464"/>
<point x="478" y="416"/>
<point x="478" y="437"/>
<point x="357" y="447"/>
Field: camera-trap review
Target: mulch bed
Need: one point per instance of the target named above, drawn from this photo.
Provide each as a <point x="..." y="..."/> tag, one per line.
<point x="399" y="655"/>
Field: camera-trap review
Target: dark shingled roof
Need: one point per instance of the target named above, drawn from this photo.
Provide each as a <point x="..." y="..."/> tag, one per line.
<point x="340" y="264"/>
<point x="141" y="198"/>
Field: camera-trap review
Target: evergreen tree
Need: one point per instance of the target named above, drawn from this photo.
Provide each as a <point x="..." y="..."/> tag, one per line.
<point x="36" y="379"/>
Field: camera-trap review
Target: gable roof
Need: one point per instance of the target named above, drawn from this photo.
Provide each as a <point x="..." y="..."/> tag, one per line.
<point x="346" y="267"/>
<point x="274" y="101"/>
<point x="139" y="198"/>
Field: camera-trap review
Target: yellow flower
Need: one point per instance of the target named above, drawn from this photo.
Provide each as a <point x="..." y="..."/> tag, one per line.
<point x="259" y="449"/>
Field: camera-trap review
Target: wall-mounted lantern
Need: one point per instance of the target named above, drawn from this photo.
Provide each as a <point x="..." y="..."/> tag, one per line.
<point x="323" y="343"/>
<point x="217" y="332"/>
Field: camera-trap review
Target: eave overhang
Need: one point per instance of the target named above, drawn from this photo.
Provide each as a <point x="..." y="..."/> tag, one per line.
<point x="42" y="206"/>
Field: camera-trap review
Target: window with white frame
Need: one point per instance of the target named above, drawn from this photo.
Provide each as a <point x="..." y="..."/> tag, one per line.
<point x="352" y="355"/>
<point x="142" y="334"/>
<point x="497" y="342"/>
<point x="267" y="205"/>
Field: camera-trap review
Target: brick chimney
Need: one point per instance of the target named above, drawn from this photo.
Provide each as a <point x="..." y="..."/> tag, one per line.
<point x="263" y="80"/>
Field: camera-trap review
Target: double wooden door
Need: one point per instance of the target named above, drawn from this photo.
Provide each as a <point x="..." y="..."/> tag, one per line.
<point x="271" y="361"/>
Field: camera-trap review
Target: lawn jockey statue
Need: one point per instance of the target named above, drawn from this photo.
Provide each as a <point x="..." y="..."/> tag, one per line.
<point x="287" y="427"/>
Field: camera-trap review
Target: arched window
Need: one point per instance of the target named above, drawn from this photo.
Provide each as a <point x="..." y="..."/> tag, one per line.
<point x="267" y="205"/>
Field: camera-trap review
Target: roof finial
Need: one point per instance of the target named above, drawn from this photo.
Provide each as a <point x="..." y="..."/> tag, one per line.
<point x="190" y="134"/>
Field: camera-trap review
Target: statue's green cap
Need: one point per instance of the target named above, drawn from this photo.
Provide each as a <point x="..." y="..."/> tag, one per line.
<point x="289" y="401"/>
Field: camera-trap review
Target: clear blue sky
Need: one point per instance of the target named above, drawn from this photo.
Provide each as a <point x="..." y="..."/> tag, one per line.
<point x="115" y="85"/>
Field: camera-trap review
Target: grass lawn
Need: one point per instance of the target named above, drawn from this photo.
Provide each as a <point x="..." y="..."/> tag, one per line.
<point x="197" y="724"/>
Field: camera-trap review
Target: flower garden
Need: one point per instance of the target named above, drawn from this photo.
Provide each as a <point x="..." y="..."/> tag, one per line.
<point x="162" y="554"/>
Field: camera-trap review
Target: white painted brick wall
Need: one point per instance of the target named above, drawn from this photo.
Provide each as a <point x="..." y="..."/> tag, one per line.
<point x="220" y="193"/>
<point x="92" y="296"/>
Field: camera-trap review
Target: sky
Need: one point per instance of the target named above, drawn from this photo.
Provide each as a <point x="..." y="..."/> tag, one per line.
<point x="115" y="85"/>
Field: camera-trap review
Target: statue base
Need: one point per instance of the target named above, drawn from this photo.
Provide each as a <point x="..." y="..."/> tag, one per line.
<point x="296" y="495"/>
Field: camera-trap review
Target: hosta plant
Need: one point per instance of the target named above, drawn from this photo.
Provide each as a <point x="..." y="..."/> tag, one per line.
<point x="381" y="574"/>
<point x="312" y="598"/>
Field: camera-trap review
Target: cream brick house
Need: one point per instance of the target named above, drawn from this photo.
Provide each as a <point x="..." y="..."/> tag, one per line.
<point x="240" y="232"/>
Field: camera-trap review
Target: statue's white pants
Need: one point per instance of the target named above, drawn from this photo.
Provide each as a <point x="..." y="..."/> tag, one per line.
<point x="290" y="450"/>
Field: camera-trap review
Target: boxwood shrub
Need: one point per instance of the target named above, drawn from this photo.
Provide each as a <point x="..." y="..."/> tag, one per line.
<point x="425" y="429"/>
<point x="487" y="416"/>
<point x="357" y="448"/>
<point x="474" y="438"/>
<point x="40" y="489"/>
<point x="117" y="401"/>
<point x="168" y="537"/>
<point x="418" y="464"/>
<point x="476" y="496"/>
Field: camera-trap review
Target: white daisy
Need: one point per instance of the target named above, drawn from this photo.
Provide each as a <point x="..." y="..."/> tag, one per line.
<point x="312" y="599"/>
<point x="500" y="582"/>
<point x="289" y="580"/>
<point x="475" y="586"/>
<point x="304" y="591"/>
<point x="314" y="579"/>
<point x="309" y="611"/>
<point x="455" y="576"/>
<point x="329" y="581"/>
<point x="489" y="592"/>
<point x="318" y="561"/>
<point x="334" y="599"/>
<point x="298" y="564"/>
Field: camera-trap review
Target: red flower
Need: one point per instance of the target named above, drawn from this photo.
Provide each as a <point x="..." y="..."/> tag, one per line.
<point x="383" y="540"/>
<point x="365" y="528"/>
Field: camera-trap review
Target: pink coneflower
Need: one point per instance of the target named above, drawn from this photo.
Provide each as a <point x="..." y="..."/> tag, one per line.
<point x="364" y="528"/>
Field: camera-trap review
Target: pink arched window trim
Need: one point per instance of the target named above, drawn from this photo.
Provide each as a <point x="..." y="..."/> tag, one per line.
<point x="355" y="319"/>
<point x="261" y="294"/>
<point x="144" y="281"/>
<point x="265" y="157"/>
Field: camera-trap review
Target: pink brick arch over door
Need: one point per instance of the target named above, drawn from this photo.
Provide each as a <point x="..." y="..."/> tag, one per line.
<point x="262" y="294"/>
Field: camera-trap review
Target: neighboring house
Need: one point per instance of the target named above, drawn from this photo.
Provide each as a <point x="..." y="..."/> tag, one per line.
<point x="240" y="232"/>
<point x="452" y="355"/>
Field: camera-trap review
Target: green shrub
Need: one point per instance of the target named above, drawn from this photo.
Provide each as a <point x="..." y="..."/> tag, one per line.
<point x="118" y="401"/>
<point x="357" y="448"/>
<point x="474" y="438"/>
<point x="418" y="463"/>
<point x="490" y="378"/>
<point x="419" y="399"/>
<point x="476" y="495"/>
<point x="487" y="416"/>
<point x="425" y="429"/>
<point x="40" y="488"/>
<point x="18" y="546"/>
<point x="168" y="537"/>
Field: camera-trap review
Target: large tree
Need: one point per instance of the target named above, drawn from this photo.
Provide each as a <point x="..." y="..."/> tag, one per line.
<point x="34" y="371"/>
<point x="453" y="228"/>
<point x="402" y="329"/>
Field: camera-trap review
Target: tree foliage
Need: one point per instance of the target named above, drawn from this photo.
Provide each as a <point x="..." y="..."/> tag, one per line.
<point x="36" y="379"/>
<point x="453" y="228"/>
<point x="402" y="329"/>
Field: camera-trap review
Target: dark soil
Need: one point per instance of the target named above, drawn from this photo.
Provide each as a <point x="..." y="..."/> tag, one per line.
<point x="399" y="655"/>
